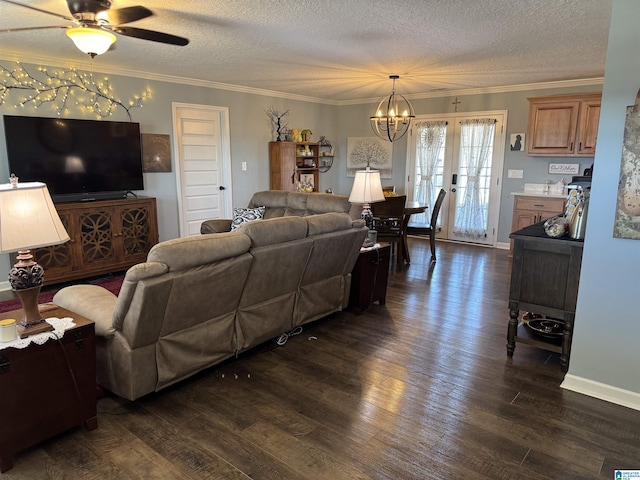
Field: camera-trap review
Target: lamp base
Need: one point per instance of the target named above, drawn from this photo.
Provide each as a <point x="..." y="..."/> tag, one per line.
<point x="33" y="328"/>
<point x="31" y="322"/>
<point x="367" y="215"/>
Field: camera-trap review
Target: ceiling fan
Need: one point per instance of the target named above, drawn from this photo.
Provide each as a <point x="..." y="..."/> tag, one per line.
<point x="93" y="24"/>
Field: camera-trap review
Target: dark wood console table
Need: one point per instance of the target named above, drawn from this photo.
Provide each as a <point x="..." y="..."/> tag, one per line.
<point x="544" y="279"/>
<point x="105" y="236"/>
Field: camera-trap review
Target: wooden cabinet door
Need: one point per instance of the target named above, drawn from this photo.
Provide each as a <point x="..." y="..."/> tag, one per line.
<point x="523" y="218"/>
<point x="588" y="127"/>
<point x="552" y="127"/>
<point x="60" y="260"/>
<point x="97" y="242"/>
<point x="282" y="166"/>
<point x="137" y="231"/>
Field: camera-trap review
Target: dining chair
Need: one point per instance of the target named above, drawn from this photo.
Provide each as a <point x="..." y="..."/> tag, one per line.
<point x="430" y="229"/>
<point x="387" y="221"/>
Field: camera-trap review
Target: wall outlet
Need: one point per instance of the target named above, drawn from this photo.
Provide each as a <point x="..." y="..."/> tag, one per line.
<point x="515" y="173"/>
<point x="244" y="166"/>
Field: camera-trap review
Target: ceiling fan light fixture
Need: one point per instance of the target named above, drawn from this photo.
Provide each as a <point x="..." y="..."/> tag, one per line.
<point x="393" y="115"/>
<point x="92" y="41"/>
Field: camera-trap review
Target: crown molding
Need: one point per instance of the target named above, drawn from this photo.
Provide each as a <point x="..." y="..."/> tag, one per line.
<point x="485" y="90"/>
<point x="96" y="66"/>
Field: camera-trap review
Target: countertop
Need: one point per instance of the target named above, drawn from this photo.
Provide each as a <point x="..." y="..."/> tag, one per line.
<point x="538" y="194"/>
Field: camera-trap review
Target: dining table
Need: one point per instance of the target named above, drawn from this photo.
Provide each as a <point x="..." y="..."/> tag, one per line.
<point x="409" y="209"/>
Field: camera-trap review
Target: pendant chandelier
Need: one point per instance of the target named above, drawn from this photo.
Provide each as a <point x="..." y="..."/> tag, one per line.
<point x="393" y="115"/>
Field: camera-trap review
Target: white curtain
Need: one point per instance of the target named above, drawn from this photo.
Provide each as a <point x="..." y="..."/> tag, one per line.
<point x="476" y="149"/>
<point x="430" y="141"/>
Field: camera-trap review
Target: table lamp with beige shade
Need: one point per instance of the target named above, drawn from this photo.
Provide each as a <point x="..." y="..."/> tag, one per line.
<point x="367" y="189"/>
<point x="28" y="219"/>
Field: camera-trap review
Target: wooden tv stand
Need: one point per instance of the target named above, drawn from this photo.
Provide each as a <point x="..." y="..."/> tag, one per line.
<point x="106" y="236"/>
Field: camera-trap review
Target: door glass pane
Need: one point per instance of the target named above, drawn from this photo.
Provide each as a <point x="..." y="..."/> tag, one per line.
<point x="429" y="166"/>
<point x="474" y="178"/>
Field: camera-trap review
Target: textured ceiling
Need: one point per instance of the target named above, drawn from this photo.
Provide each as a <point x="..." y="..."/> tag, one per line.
<point x="342" y="50"/>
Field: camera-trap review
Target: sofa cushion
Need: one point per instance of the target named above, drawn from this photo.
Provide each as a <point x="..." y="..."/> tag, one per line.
<point x="186" y="252"/>
<point x="325" y="202"/>
<point x="244" y="215"/>
<point x="274" y="230"/>
<point x="328" y="222"/>
<point x="279" y="203"/>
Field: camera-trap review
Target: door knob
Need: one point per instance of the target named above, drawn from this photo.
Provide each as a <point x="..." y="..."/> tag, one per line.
<point x="222" y="188"/>
<point x="453" y="190"/>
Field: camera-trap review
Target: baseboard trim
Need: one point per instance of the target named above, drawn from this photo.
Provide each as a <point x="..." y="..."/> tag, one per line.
<point x="5" y="286"/>
<point x="605" y="392"/>
<point x="503" y="245"/>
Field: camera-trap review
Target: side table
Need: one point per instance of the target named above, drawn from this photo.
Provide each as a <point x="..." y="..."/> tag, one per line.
<point x="369" y="278"/>
<point x="545" y="274"/>
<point x="46" y="389"/>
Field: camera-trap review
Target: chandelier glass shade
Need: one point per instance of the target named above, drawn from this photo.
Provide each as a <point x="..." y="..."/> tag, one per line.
<point x="393" y="115"/>
<point x="91" y="40"/>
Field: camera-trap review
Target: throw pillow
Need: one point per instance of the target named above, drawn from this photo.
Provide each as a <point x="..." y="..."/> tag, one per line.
<point x="243" y="215"/>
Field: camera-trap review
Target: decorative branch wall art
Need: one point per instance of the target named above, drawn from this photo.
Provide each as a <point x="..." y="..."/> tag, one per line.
<point x="65" y="89"/>
<point x="278" y="123"/>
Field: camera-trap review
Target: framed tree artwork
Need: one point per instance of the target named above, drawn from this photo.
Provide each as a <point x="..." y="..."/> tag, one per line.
<point x="369" y="151"/>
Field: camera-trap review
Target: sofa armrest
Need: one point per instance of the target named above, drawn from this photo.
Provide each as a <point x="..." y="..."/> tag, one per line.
<point x="359" y="223"/>
<point x="91" y="301"/>
<point x="215" y="226"/>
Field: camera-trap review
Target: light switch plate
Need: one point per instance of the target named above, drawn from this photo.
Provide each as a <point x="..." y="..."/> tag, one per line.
<point x="515" y="173"/>
<point x="244" y="166"/>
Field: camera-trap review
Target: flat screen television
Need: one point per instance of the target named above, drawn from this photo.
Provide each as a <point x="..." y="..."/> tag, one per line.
<point x="79" y="160"/>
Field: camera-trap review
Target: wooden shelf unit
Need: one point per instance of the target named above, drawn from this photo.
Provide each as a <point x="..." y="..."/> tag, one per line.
<point x="287" y="164"/>
<point x="105" y="236"/>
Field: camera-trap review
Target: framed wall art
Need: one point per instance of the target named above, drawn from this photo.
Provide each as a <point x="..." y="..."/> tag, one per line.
<point x="372" y="151"/>
<point x="627" y="216"/>
<point x="156" y="153"/>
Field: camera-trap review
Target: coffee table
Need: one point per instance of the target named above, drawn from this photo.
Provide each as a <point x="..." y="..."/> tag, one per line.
<point x="46" y="389"/>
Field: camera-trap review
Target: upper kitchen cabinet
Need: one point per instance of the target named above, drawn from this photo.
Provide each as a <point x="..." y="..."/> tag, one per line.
<point x="564" y="125"/>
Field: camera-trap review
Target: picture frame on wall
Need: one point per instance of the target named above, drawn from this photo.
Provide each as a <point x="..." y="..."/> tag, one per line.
<point x="516" y="142"/>
<point x="371" y="151"/>
<point x="156" y="152"/>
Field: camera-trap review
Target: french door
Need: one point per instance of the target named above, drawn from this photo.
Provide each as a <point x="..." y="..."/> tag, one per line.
<point x="462" y="153"/>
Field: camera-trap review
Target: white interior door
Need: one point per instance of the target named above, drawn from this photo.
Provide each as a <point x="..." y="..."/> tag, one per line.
<point x="452" y="167"/>
<point x="203" y="164"/>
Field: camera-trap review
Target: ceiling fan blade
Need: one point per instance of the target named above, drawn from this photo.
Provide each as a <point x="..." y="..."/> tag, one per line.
<point x="118" y="16"/>
<point x="151" y="35"/>
<point x="64" y="17"/>
<point x="7" y="30"/>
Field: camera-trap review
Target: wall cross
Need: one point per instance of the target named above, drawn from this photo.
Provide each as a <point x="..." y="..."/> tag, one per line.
<point x="456" y="103"/>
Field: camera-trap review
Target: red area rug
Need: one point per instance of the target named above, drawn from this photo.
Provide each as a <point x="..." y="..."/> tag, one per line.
<point x="111" y="283"/>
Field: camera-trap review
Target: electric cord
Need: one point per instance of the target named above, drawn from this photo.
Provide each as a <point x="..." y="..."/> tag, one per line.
<point x="73" y="378"/>
<point x="285" y="336"/>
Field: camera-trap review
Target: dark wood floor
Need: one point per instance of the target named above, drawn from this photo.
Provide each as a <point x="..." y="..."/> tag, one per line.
<point x="420" y="388"/>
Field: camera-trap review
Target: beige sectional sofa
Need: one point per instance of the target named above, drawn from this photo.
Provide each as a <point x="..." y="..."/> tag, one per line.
<point x="284" y="204"/>
<point x="200" y="300"/>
